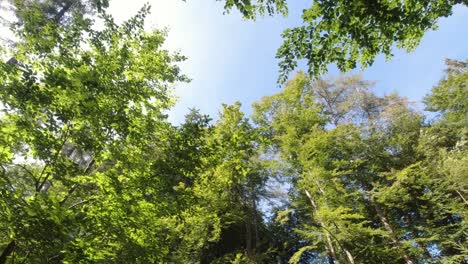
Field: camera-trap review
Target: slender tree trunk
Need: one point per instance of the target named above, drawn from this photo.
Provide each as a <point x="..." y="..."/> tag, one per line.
<point x="331" y="249"/>
<point x="329" y="245"/>
<point x="384" y="220"/>
<point x="314" y="205"/>
<point x="348" y="254"/>
<point x="7" y="252"/>
<point x="393" y="237"/>
<point x="255" y="218"/>
<point x="248" y="239"/>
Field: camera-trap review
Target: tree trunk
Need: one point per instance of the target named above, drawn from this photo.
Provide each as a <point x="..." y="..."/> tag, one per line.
<point x="255" y="224"/>
<point x="383" y="219"/>
<point x="329" y="244"/>
<point x="331" y="249"/>
<point x="348" y="254"/>
<point x="462" y="197"/>
<point x="7" y="252"/>
<point x="393" y="236"/>
<point x="248" y="239"/>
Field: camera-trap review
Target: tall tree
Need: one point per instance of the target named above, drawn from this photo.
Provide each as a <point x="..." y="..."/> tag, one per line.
<point x="365" y="192"/>
<point x="444" y="147"/>
<point x="233" y="186"/>
<point x="81" y="111"/>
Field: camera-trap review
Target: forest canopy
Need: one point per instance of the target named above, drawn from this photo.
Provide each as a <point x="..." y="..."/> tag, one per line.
<point x="326" y="170"/>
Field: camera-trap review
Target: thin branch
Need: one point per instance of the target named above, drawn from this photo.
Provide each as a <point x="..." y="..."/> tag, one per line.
<point x="65" y="137"/>
<point x="461" y="196"/>
<point x="348" y="254"/>
<point x="75" y="186"/>
<point x="36" y="181"/>
<point x="78" y="203"/>
<point x="6" y="178"/>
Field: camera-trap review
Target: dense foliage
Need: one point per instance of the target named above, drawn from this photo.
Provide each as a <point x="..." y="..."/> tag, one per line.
<point x="325" y="171"/>
<point x="373" y="182"/>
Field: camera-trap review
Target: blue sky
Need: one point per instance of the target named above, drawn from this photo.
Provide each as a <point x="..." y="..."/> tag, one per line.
<point x="231" y="59"/>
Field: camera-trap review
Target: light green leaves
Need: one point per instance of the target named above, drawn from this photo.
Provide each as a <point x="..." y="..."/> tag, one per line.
<point x="85" y="131"/>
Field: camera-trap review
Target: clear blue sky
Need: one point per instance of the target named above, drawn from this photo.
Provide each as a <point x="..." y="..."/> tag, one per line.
<point x="230" y="59"/>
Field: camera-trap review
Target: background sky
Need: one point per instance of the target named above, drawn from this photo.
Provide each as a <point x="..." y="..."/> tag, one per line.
<point x="231" y="59"/>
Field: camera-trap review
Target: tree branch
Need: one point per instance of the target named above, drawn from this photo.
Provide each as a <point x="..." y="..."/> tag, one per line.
<point x="65" y="137"/>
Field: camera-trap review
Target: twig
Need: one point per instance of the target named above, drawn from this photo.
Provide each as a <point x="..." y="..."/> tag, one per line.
<point x="461" y="196"/>
<point x="78" y="203"/>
